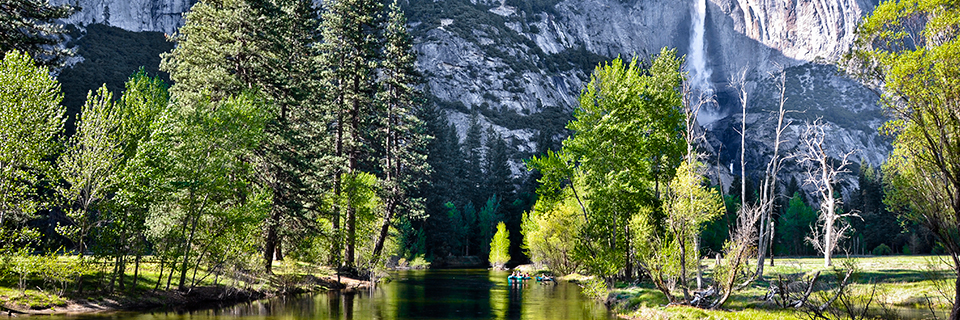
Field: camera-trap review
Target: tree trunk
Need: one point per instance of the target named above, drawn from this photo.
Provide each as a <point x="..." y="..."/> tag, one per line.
<point x="278" y="253"/>
<point x="353" y="165"/>
<point x="113" y="275"/>
<point x="270" y="241"/>
<point x="173" y="268"/>
<point x="351" y="236"/>
<point x="392" y="173"/>
<point x="136" y="269"/>
<point x="762" y="246"/>
<point x="160" y="277"/>
<point x="338" y="191"/>
<point x="827" y="238"/>
<point x="683" y="269"/>
<point x="186" y="254"/>
<point x="770" y="241"/>
<point x="384" y="232"/>
<point x="696" y="244"/>
<point x="629" y="267"/>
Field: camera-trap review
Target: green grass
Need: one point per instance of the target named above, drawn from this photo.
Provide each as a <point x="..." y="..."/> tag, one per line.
<point x="32" y="299"/>
<point x="903" y="284"/>
<point x="41" y="293"/>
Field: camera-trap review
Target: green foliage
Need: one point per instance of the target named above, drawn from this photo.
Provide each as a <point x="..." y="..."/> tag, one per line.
<point x="715" y="233"/>
<point x="22" y="264"/>
<point x="31" y="26"/>
<point x="595" y="288"/>
<point x="672" y="254"/>
<point x="29" y="129"/>
<point x="627" y="143"/>
<point x="500" y="247"/>
<point x="909" y="50"/>
<point x="59" y="272"/>
<point x="550" y="233"/>
<point x="231" y="46"/>
<point x="487" y="219"/>
<point x="794" y="225"/>
<point x="110" y="55"/>
<point x="90" y="165"/>
<point x="906" y="250"/>
<point x="419" y="262"/>
<point x="882" y="250"/>
<point x="207" y="185"/>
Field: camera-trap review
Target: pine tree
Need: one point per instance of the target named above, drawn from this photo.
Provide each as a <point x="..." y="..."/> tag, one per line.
<point x="349" y="52"/>
<point x="473" y="166"/>
<point x="30" y="26"/>
<point x="228" y="46"/>
<point x="444" y="183"/>
<point x="498" y="175"/>
<point x="402" y="133"/>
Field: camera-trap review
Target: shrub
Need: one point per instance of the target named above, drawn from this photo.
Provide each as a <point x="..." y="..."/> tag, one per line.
<point x="595" y="288"/>
<point x="882" y="250"/>
<point x="419" y="263"/>
<point x="906" y="250"/>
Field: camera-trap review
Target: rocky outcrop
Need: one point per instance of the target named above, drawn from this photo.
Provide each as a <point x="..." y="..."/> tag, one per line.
<point x="132" y="15"/>
<point x="519" y="65"/>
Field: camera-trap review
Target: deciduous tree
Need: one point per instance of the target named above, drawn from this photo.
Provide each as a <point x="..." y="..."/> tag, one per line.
<point x="909" y="49"/>
<point x="29" y="129"/>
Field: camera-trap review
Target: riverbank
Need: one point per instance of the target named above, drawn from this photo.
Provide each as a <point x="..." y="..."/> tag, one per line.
<point x="289" y="278"/>
<point x="898" y="287"/>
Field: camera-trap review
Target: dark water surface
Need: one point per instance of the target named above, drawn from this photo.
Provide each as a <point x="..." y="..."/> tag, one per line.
<point x="431" y="294"/>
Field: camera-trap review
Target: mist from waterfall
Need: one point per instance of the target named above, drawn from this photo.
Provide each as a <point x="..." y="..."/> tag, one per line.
<point x="699" y="72"/>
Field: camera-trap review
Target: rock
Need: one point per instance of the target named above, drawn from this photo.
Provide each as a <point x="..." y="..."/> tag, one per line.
<point x="521" y="66"/>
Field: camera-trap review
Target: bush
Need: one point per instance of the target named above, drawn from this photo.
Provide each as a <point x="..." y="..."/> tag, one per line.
<point x="59" y="272"/>
<point x="595" y="288"/>
<point x="882" y="250"/>
<point x="419" y="263"/>
<point x="906" y="250"/>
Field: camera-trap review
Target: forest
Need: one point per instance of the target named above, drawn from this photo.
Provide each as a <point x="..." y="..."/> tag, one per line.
<point x="290" y="132"/>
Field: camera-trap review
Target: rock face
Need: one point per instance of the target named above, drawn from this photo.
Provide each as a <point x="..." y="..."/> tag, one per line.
<point x="519" y="65"/>
<point x="522" y="57"/>
<point x="131" y="15"/>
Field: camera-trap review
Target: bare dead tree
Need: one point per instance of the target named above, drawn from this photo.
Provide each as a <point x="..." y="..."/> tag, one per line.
<point x="768" y="187"/>
<point x="822" y="174"/>
<point x="743" y="237"/>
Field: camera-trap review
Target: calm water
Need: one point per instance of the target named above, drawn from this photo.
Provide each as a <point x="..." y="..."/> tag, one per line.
<point x="432" y="294"/>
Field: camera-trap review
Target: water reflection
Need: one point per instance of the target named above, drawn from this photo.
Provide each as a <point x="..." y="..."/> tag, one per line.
<point x="433" y="294"/>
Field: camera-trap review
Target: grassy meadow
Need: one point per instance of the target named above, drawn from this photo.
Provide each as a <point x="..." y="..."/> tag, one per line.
<point x="893" y="287"/>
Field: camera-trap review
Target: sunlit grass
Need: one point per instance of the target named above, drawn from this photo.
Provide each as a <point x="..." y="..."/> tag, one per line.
<point x="902" y="283"/>
<point x="41" y="293"/>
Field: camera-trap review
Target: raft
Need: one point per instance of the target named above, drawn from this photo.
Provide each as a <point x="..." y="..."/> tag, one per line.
<point x="515" y="278"/>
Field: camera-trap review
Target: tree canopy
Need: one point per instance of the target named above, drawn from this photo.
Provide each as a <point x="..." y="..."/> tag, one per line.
<point x="909" y="49"/>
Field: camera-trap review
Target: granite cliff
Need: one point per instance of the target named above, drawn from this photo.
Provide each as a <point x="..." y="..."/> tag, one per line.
<point x="519" y="64"/>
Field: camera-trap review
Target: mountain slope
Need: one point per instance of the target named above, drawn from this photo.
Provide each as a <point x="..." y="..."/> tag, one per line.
<point x="519" y="65"/>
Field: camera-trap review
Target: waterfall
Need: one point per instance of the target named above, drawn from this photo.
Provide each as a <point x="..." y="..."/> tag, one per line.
<point x="699" y="72"/>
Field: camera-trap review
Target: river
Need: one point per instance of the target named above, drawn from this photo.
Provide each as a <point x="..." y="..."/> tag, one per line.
<point x="430" y="294"/>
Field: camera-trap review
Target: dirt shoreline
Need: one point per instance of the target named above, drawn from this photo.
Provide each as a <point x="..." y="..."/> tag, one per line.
<point x="194" y="299"/>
